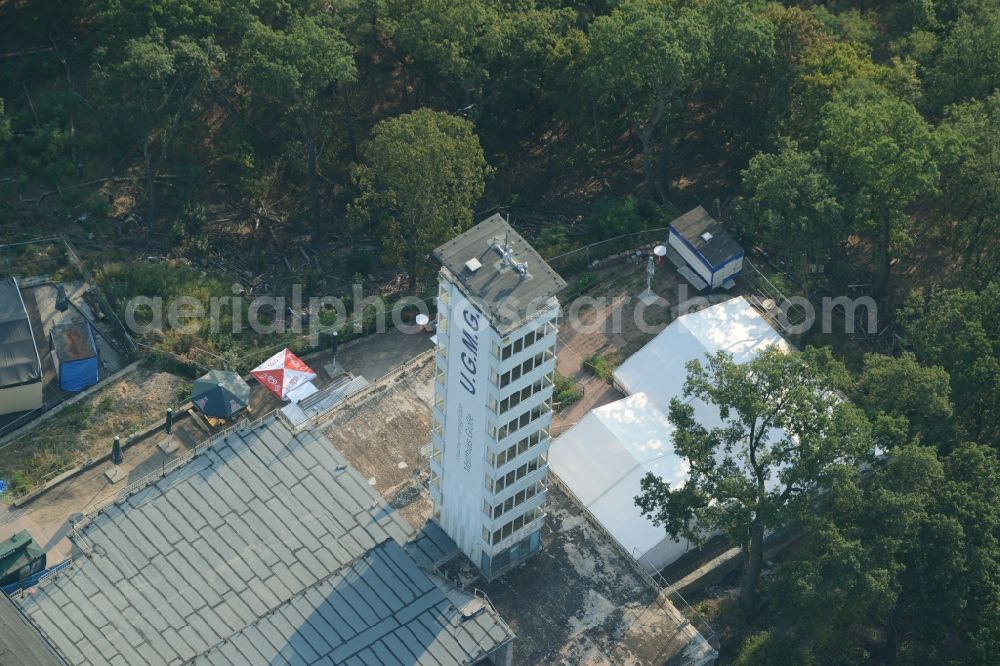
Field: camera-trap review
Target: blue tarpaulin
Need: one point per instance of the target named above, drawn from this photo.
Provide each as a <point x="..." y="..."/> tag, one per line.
<point x="75" y="355"/>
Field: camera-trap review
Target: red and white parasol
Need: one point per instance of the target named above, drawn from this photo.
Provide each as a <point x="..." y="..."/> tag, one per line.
<point x="283" y="373"/>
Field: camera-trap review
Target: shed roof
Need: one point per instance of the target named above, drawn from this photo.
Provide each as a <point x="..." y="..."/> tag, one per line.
<point x="19" y="360"/>
<point x="719" y="246"/>
<point x="73" y="341"/>
<point x="255" y="545"/>
<point x="506" y="296"/>
<point x="16" y="552"/>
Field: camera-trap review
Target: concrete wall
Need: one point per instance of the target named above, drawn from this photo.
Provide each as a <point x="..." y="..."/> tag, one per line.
<point x="23" y="398"/>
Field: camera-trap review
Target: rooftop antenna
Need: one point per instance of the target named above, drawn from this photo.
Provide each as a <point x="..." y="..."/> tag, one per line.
<point x="506" y="252"/>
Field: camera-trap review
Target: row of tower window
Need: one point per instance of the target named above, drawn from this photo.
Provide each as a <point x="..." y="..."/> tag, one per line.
<point x="522" y="343"/>
<point x="512" y="375"/>
<point x="511" y="527"/>
<point x="518" y="371"/>
<point x="513" y="502"/>
<point x="517" y="397"/>
<point x="515" y="475"/>
<point x="517" y="449"/>
<point x="521" y="421"/>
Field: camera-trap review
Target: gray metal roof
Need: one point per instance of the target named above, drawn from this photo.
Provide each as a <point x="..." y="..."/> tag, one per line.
<point x="248" y="542"/>
<point x="20" y="643"/>
<point x="382" y="609"/>
<point x="499" y="291"/>
<point x="19" y="360"/>
<point x="696" y="222"/>
<point x="431" y="546"/>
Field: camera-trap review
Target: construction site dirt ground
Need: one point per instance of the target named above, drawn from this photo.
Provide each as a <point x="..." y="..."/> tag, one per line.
<point x="383" y="438"/>
<point x="577" y="601"/>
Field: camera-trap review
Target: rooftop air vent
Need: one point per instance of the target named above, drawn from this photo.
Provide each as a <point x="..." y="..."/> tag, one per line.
<point x="473" y="265"/>
<point x="707" y="236"/>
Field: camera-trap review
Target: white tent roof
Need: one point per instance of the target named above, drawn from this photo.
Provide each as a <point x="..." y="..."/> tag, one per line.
<point x="658" y="368"/>
<point x="603" y="457"/>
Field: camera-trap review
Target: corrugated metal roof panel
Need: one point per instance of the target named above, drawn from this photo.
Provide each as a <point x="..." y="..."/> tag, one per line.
<point x="252" y="553"/>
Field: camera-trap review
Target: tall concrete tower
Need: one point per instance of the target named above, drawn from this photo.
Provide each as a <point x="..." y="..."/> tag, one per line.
<point x="496" y="360"/>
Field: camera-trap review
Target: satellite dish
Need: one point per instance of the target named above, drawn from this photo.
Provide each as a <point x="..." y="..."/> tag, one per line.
<point x="660" y="250"/>
<point x="422" y="320"/>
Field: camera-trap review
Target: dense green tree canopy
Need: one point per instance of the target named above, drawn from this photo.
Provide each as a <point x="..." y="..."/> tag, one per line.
<point x="970" y="183"/>
<point x="452" y="41"/>
<point x="786" y="435"/>
<point x="791" y="204"/>
<point x="911" y="553"/>
<point x="959" y="330"/>
<point x="295" y="70"/>
<point x="155" y="85"/>
<point x="967" y="65"/>
<point x="643" y="58"/>
<point x="883" y="153"/>
<point x="422" y="173"/>
<point x="918" y="396"/>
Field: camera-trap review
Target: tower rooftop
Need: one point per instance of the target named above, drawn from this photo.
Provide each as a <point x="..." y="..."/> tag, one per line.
<point x="508" y="291"/>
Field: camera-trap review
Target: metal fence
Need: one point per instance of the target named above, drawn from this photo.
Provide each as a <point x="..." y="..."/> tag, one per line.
<point x="770" y="300"/>
<point x="128" y="344"/>
<point x="24" y="257"/>
<point x="578" y="260"/>
<point x="32" y="581"/>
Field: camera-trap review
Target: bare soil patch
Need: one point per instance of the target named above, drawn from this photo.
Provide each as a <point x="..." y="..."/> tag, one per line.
<point x="86" y="430"/>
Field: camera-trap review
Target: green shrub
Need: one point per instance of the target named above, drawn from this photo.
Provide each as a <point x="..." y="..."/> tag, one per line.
<point x="602" y="365"/>
<point x="18" y="484"/>
<point x="553" y="240"/>
<point x="614" y="218"/>
<point x="566" y="392"/>
<point x="579" y="286"/>
<point x="775" y="649"/>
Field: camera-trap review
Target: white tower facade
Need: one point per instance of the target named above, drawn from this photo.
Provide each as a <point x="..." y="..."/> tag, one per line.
<point x="496" y="356"/>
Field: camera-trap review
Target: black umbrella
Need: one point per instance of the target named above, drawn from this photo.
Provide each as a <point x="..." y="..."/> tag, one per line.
<point x="117" y="455"/>
<point x="220" y="393"/>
